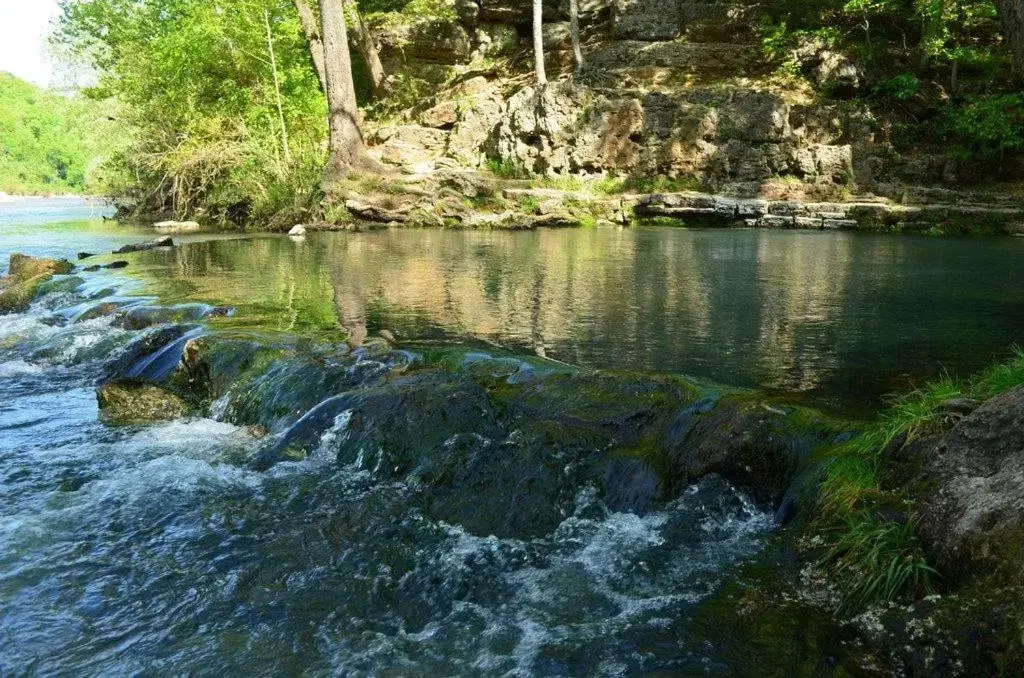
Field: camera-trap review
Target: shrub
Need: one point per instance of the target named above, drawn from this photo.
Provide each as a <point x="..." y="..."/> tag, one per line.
<point x="989" y="126"/>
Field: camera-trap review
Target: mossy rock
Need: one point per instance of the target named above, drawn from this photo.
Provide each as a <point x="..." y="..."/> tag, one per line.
<point x="18" y="296"/>
<point x="24" y="267"/>
<point x="123" y="402"/>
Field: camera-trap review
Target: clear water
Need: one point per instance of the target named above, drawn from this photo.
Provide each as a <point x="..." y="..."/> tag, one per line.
<point x="835" y="319"/>
<point x="156" y="550"/>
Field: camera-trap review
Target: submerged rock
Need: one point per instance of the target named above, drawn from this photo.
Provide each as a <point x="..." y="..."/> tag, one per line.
<point x="124" y="402"/>
<point x="141" y="317"/>
<point x="142" y="246"/>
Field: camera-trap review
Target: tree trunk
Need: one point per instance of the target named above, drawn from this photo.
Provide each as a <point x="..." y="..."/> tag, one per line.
<point x="348" y="150"/>
<point x="368" y="51"/>
<point x="538" y="41"/>
<point x="574" y="30"/>
<point x="1011" y="13"/>
<point x="311" y="28"/>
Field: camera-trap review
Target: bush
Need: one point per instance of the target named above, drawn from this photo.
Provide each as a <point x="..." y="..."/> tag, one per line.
<point x="902" y="87"/>
<point x="989" y="126"/>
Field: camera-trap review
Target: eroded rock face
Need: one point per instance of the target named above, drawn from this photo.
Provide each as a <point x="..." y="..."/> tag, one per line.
<point x="647" y="19"/>
<point x="972" y="487"/>
<point x="737" y="141"/>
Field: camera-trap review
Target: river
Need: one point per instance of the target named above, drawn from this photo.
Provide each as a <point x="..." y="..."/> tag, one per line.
<point x="158" y="549"/>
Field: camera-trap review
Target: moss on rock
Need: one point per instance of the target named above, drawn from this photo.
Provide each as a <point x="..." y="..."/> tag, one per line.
<point x="18" y="295"/>
<point x="125" y="402"/>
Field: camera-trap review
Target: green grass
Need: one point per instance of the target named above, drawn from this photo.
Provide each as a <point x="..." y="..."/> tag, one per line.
<point x="878" y="561"/>
<point x="873" y="554"/>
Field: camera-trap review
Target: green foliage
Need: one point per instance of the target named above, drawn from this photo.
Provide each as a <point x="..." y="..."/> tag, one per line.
<point x="878" y="561"/>
<point x="989" y="126"/>
<point x="662" y="184"/>
<point x="197" y="89"/>
<point x="528" y="204"/>
<point x="51" y="143"/>
<point x="507" y="169"/>
<point x="902" y="87"/>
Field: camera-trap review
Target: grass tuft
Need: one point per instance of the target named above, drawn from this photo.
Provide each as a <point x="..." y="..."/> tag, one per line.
<point x="879" y="561"/>
<point x="876" y="558"/>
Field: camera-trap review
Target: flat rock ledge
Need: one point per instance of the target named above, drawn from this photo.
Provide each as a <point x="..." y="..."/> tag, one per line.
<point x="473" y="201"/>
<point x="877" y="215"/>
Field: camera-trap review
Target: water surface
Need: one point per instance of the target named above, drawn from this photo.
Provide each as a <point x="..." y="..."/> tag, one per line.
<point x="157" y="549"/>
<point x="835" y="318"/>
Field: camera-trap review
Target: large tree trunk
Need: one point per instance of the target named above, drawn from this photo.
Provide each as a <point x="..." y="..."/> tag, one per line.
<point x="538" y="41"/>
<point x="311" y="28"/>
<point x="1011" y="12"/>
<point x="574" y="30"/>
<point x="368" y="51"/>
<point x="348" y="150"/>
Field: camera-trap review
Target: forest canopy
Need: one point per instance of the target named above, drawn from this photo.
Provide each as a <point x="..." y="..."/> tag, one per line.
<point x="51" y="143"/>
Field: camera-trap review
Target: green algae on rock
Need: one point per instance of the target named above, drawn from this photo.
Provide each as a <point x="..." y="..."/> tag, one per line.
<point x="125" y="402"/>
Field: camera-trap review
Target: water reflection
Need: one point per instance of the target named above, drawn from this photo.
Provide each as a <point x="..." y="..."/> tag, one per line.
<point x="839" y="318"/>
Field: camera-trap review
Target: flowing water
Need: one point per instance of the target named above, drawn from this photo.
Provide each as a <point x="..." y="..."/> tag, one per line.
<point x="156" y="549"/>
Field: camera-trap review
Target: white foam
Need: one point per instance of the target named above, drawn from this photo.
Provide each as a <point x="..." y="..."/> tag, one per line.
<point x="16" y="368"/>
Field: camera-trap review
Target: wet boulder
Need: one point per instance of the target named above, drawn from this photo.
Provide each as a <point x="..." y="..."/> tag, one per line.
<point x="761" y="449"/>
<point x="137" y="355"/>
<point x="17" y="295"/>
<point x="23" y="267"/>
<point x="127" y="402"/>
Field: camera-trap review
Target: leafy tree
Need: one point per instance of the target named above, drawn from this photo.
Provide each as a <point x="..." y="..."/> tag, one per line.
<point x="209" y="96"/>
<point x="348" y="150"/>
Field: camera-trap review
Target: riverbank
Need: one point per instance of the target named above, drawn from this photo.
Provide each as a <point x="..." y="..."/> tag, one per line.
<point x="898" y="551"/>
<point x="8" y="198"/>
<point x="454" y="199"/>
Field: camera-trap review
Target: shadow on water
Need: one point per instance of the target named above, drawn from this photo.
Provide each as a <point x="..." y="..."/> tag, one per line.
<point x="836" y="319"/>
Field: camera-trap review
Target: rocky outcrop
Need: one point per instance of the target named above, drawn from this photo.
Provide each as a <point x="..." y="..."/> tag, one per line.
<point x="970" y="491"/>
<point x="876" y="215"/>
<point x="735" y="142"/>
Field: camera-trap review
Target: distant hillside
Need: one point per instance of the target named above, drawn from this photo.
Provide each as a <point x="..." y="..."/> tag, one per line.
<point x="49" y="143"/>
